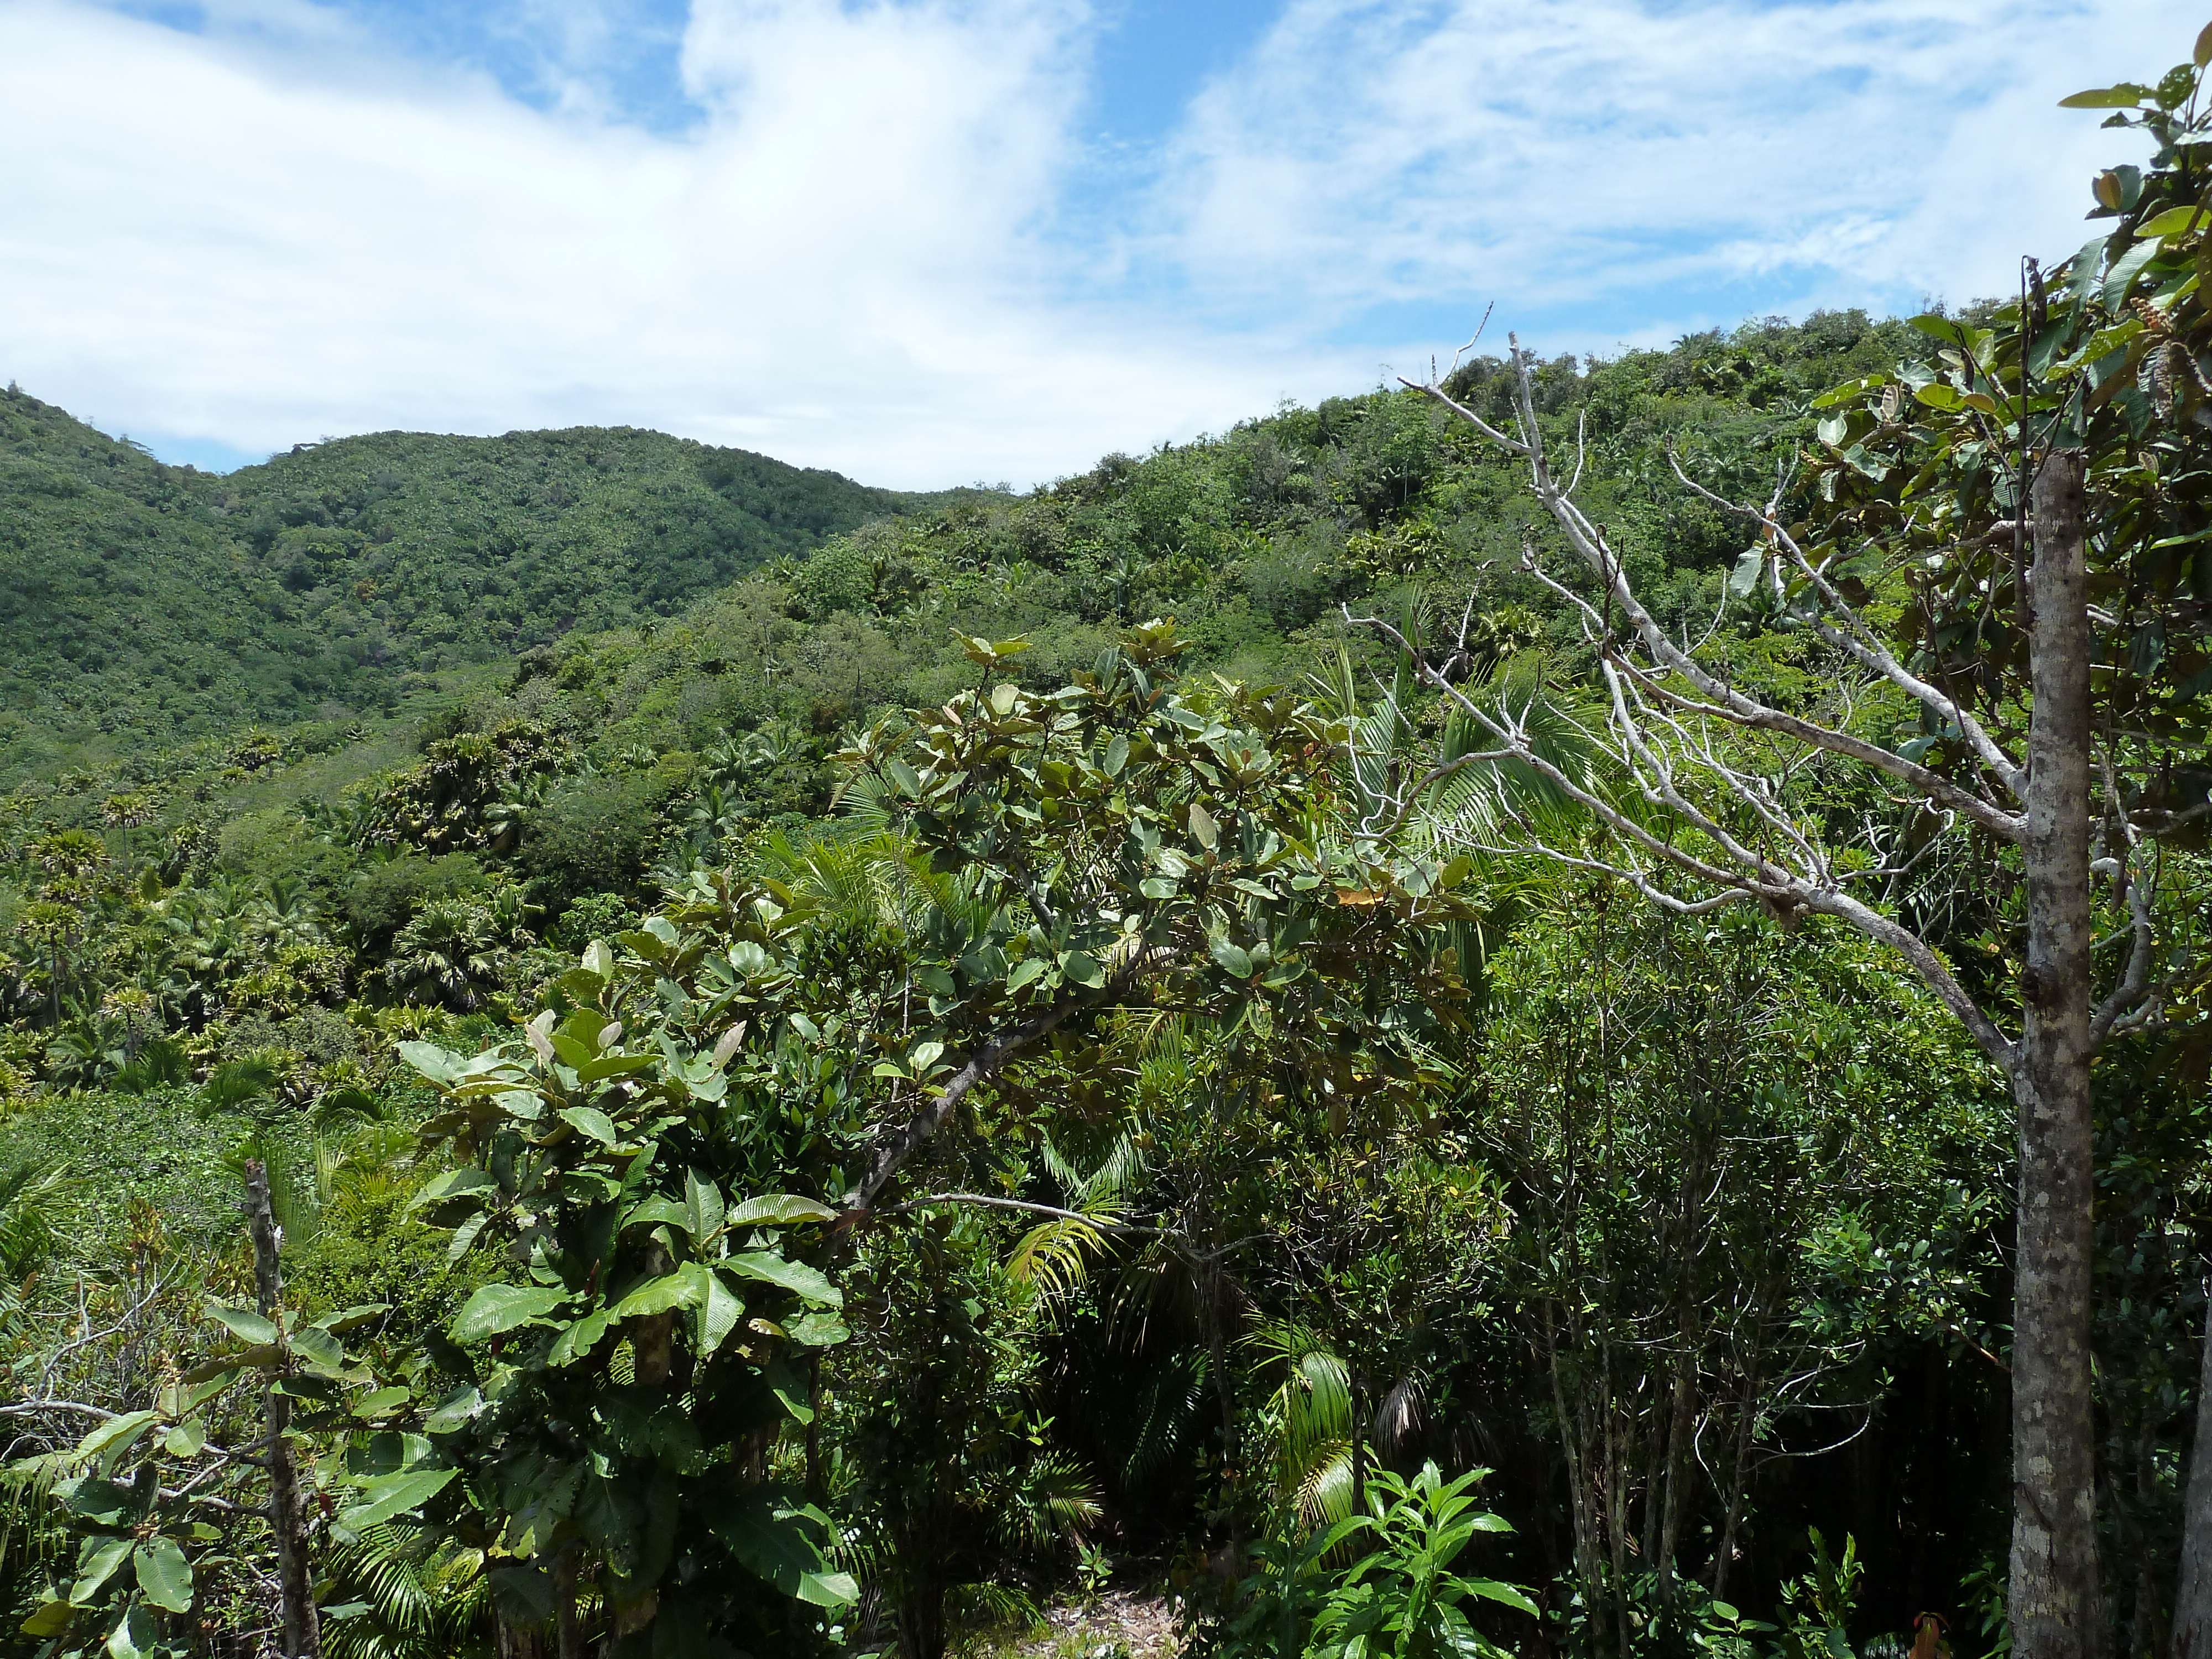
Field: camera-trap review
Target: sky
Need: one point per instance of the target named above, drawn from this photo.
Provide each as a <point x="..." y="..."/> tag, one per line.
<point x="928" y="242"/>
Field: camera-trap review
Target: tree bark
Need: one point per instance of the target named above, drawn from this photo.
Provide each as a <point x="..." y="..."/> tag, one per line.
<point x="2053" y="1600"/>
<point x="296" y="1583"/>
<point x="2193" y="1595"/>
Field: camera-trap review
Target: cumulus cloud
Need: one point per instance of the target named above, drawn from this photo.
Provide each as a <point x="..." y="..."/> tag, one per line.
<point x="875" y="240"/>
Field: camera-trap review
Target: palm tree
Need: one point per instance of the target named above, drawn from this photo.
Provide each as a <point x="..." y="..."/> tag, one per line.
<point x="713" y="817"/>
<point x="448" y="954"/>
<point x="126" y="812"/>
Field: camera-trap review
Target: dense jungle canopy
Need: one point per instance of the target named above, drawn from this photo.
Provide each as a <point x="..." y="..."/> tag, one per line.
<point x="610" y="1046"/>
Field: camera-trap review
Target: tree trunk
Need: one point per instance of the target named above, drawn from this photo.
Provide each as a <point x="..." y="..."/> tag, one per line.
<point x="302" y="1632"/>
<point x="2053" y="1599"/>
<point x="2193" y="1595"/>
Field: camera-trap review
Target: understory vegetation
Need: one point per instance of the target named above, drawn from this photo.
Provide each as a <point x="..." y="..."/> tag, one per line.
<point x="613" y="1048"/>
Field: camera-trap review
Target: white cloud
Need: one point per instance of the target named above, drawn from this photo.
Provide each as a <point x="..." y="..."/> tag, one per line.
<point x="863" y="253"/>
<point x="1557" y="154"/>
<point x="842" y="265"/>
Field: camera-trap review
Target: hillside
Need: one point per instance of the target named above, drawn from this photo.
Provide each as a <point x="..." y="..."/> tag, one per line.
<point x="142" y="603"/>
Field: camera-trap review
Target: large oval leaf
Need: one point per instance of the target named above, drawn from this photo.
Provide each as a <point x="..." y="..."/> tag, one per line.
<point x="164" y="1574"/>
<point x="779" y="1209"/>
<point x="388" y="1495"/>
<point x="794" y="1276"/>
<point x="498" y="1308"/>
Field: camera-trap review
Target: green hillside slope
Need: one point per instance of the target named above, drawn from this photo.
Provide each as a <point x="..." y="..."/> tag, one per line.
<point x="141" y="603"/>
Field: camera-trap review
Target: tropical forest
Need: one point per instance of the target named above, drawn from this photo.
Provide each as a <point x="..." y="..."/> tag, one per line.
<point x="1557" y="1008"/>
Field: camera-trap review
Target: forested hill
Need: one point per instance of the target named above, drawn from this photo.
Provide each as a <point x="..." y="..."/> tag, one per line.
<point x="142" y="603"/>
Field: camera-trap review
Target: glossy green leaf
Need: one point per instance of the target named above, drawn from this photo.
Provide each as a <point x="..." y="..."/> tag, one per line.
<point x="1081" y="967"/>
<point x="441" y="1066"/>
<point x="52" y="1619"/>
<point x="1745" y="576"/>
<point x="2175" y="222"/>
<point x="96" y="1566"/>
<point x="2126" y="95"/>
<point x="499" y="1307"/>
<point x="164" y="1574"/>
<point x="796" y="1277"/>
<point x="1235" y="960"/>
<point x="590" y="1121"/>
<point x="243" y="1323"/>
<point x="719" y="1310"/>
<point x="772" y="1542"/>
<point x="780" y="1210"/>
<point x="382" y="1402"/>
<point x="577" y="1340"/>
<point x="116" y="1433"/>
<point x="675" y="1289"/>
<point x="134" y="1634"/>
<point x="390" y="1495"/>
<point x="703" y="1206"/>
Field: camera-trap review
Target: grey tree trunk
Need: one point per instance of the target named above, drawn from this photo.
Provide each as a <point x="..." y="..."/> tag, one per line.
<point x="296" y="1582"/>
<point x="2053" y="1602"/>
<point x="2192" y="1595"/>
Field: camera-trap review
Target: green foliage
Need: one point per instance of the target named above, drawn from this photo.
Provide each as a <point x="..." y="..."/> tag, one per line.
<point x="142" y="600"/>
<point x="1400" y="1598"/>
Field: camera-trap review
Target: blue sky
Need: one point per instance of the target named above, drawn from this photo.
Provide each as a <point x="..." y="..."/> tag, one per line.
<point x="928" y="241"/>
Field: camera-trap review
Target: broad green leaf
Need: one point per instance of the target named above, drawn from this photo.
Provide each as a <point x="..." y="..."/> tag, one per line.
<point x="352" y="1318"/>
<point x="657" y="1209"/>
<point x="796" y="1277"/>
<point x="904" y="778"/>
<point x="1081" y="967"/>
<point x="703" y="1207"/>
<point x="134" y="1634"/>
<point x="771" y="1542"/>
<point x="1492" y="1589"/>
<point x="100" y="1501"/>
<point x="499" y="1307"/>
<point x="817" y="1329"/>
<point x="1745" y="576"/>
<point x="1025" y="971"/>
<point x="577" y="1340"/>
<point x="455" y="1183"/>
<point x="52" y="1619"/>
<point x="2126" y="95"/>
<point x="1116" y="757"/>
<point x="439" y="1065"/>
<point x="382" y="1403"/>
<point x="1938" y="394"/>
<point x="1203" y="829"/>
<point x="116" y="1433"/>
<point x="600" y="958"/>
<point x="607" y="1065"/>
<point x="388" y="1495"/>
<point x="318" y="1348"/>
<point x="243" y="1323"/>
<point x="96" y="1567"/>
<point x="780" y="1210"/>
<point x="589" y="1120"/>
<point x="675" y="1289"/>
<point x="2174" y="221"/>
<point x="185" y="1439"/>
<point x="2124" y="270"/>
<point x="164" y="1574"/>
<point x="1235" y="960"/>
<point x="453" y="1412"/>
<point x="719" y="1308"/>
